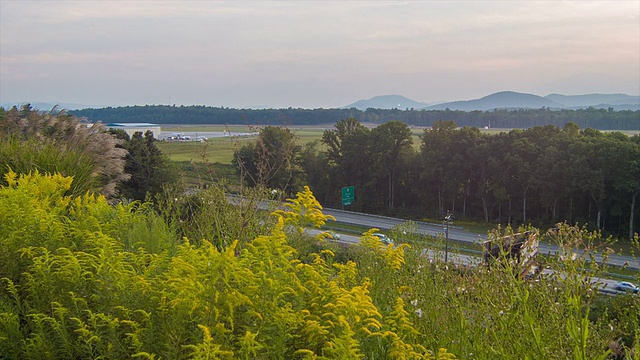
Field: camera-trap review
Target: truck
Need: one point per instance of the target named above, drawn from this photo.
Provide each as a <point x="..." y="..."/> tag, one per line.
<point x="517" y="250"/>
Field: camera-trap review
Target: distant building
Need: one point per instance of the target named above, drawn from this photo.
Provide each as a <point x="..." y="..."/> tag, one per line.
<point x="132" y="128"/>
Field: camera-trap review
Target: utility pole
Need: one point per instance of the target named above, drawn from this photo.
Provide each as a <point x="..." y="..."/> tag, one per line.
<point x="446" y="231"/>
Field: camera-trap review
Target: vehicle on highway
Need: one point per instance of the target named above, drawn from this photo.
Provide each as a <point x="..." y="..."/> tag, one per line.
<point x="627" y="287"/>
<point x="384" y="238"/>
<point x="333" y="235"/>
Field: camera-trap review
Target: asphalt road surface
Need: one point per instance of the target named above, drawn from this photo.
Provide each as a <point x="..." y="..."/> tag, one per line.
<point x="455" y="233"/>
<point x="431" y="229"/>
<point x="603" y="285"/>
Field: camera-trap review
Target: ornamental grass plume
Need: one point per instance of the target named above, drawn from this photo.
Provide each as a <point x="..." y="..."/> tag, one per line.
<point x="58" y="142"/>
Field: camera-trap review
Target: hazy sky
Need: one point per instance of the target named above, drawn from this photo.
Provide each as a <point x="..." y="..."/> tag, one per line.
<point x="312" y="54"/>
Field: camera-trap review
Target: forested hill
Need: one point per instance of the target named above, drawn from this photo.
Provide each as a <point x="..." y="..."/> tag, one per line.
<point x="601" y="119"/>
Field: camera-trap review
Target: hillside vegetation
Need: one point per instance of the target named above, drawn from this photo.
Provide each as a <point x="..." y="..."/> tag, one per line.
<point x="171" y="272"/>
<point x="83" y="279"/>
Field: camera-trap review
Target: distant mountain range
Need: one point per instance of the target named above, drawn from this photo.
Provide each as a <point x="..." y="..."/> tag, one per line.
<point x="508" y="100"/>
<point x="387" y="102"/>
<point x="499" y="100"/>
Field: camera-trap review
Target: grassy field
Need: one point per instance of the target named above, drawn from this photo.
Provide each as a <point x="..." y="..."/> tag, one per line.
<point x="214" y="150"/>
<point x="220" y="150"/>
<point x="210" y="161"/>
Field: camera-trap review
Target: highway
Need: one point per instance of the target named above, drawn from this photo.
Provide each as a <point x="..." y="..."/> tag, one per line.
<point x="604" y="285"/>
<point x="455" y="233"/>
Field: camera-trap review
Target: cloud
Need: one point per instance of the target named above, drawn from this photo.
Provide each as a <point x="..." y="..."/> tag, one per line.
<point x="337" y="48"/>
<point x="62" y="57"/>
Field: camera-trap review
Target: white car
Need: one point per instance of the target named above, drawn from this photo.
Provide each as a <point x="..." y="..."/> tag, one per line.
<point x="333" y="235"/>
<point x="627" y="287"/>
<point x="384" y="238"/>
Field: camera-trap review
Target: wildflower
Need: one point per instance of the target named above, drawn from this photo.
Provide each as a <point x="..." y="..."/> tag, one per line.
<point x="419" y="313"/>
<point x="501" y="313"/>
<point x="414" y="302"/>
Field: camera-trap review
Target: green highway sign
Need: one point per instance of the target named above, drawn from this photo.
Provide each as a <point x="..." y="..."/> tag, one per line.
<point x="347" y="195"/>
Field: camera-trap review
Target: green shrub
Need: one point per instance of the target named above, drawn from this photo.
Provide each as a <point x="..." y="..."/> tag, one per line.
<point x="92" y="289"/>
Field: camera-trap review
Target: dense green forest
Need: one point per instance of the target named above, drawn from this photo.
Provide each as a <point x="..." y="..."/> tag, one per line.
<point x="541" y="175"/>
<point x="601" y="119"/>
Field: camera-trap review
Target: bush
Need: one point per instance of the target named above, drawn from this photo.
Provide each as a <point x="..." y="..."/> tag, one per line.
<point x="90" y="289"/>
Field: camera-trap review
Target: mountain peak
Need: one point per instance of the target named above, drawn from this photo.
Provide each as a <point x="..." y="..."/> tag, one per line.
<point x="500" y="100"/>
<point x="387" y="102"/>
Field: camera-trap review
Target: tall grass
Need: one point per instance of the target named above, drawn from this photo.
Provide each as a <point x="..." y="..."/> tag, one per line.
<point x="25" y="156"/>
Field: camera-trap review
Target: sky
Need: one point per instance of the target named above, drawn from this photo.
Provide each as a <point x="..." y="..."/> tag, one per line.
<point x="312" y="54"/>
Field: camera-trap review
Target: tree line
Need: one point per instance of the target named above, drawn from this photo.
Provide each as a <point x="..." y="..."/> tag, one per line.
<point x="602" y="119"/>
<point x="542" y="175"/>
